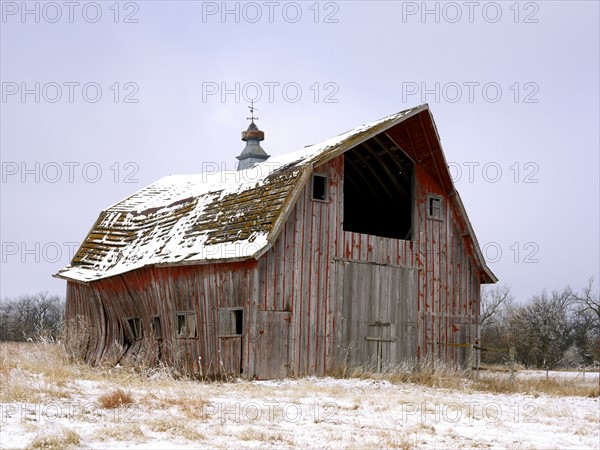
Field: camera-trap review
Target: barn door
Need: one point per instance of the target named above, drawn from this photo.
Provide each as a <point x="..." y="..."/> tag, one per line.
<point x="231" y="341"/>
<point x="379" y="305"/>
<point x="272" y="343"/>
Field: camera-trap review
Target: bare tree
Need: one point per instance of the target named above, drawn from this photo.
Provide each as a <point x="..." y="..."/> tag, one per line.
<point x="587" y="300"/>
<point x="31" y="317"/>
<point x="491" y="300"/>
<point x="557" y="329"/>
<point x="496" y="302"/>
<point x="586" y="322"/>
<point x="540" y="330"/>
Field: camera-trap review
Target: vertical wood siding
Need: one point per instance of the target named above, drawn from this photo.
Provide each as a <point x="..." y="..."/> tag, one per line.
<point x="300" y="274"/>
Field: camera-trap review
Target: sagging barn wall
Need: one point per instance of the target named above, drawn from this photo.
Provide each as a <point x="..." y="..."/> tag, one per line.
<point x="311" y="303"/>
<point x="208" y="295"/>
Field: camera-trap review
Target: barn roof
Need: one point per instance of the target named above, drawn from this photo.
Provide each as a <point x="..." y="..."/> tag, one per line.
<point x="232" y="215"/>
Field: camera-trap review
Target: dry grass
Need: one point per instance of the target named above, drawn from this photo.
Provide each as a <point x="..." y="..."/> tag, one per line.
<point x="176" y="428"/>
<point x="256" y="434"/>
<point x="115" y="398"/>
<point x="501" y="384"/>
<point x="59" y="367"/>
<point x="45" y="358"/>
<point x="432" y="374"/>
<point x="19" y="387"/>
<point x="56" y="371"/>
<point x="122" y="432"/>
<point x="53" y="373"/>
<point x="64" y="439"/>
<point x="441" y="375"/>
<point x="187" y="396"/>
<point x="168" y="409"/>
<point x="188" y="400"/>
<point x="16" y="386"/>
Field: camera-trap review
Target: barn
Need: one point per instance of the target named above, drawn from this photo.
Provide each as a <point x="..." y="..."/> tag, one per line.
<point x="356" y="251"/>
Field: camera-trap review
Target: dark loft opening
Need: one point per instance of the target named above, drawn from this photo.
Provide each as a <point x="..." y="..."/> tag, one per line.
<point x="378" y="183"/>
<point x="238" y="319"/>
<point x="319" y="187"/>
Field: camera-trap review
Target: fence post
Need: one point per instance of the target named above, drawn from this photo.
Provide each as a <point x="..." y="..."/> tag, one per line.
<point x="477" y="357"/>
<point x="511" y="354"/>
<point x="471" y="351"/>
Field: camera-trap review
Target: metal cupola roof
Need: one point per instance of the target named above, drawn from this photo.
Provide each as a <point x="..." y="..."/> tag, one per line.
<point x="253" y="153"/>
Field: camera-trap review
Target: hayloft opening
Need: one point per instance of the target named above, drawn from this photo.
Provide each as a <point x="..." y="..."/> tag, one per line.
<point x="378" y="189"/>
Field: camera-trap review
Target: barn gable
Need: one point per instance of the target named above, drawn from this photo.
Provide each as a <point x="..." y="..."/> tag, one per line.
<point x="234" y="216"/>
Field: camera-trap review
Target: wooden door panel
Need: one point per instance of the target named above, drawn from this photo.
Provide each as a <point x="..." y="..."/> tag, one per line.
<point x="230" y="353"/>
<point x="380" y="308"/>
<point x="273" y="345"/>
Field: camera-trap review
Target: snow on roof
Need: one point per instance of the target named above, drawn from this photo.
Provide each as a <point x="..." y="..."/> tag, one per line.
<point x="207" y="217"/>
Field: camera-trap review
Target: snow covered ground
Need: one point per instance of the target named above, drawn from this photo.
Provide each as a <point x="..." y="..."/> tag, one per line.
<point x="307" y="412"/>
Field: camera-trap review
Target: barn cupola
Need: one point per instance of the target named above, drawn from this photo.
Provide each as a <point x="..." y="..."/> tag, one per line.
<point x="253" y="153"/>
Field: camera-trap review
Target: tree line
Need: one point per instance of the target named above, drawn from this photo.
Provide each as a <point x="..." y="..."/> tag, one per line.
<point x="32" y="317"/>
<point x="556" y="329"/>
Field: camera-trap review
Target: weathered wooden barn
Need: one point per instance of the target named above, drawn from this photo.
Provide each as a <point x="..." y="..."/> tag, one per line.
<point x="355" y="251"/>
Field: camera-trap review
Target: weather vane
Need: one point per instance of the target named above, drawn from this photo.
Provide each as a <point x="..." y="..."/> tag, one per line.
<point x="252" y="109"/>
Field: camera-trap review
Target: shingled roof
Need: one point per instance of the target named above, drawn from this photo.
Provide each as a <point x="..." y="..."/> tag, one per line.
<point x="225" y="216"/>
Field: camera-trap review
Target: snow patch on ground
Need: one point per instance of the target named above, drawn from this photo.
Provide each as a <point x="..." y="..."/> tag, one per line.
<point x="307" y="412"/>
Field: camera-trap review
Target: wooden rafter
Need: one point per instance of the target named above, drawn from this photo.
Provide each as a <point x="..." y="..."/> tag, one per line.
<point x="375" y="174"/>
<point x="385" y="167"/>
<point x="437" y="169"/>
<point x="404" y="169"/>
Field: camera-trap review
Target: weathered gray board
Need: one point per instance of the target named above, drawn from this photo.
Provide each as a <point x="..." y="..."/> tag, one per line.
<point x="380" y="312"/>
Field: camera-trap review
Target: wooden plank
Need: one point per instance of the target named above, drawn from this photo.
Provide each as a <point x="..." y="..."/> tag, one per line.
<point x="251" y="328"/>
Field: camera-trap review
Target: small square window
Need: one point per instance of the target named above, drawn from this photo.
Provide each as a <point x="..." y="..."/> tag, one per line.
<point x="319" y="188"/>
<point x="156" y="327"/>
<point x="135" y="326"/>
<point x="231" y="322"/>
<point x="185" y="324"/>
<point x="434" y="207"/>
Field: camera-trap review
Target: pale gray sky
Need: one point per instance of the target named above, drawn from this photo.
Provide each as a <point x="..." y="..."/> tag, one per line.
<point x="100" y="99"/>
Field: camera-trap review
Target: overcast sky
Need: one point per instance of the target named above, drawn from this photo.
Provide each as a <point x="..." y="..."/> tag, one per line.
<point x="102" y="99"/>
